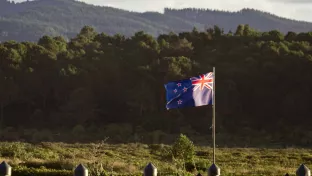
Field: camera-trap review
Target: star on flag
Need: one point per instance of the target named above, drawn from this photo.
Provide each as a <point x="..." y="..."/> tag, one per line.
<point x="180" y="102"/>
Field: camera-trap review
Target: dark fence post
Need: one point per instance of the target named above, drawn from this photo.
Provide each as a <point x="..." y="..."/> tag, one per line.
<point x="5" y="169"/>
<point x="213" y="170"/>
<point x="81" y="171"/>
<point x="303" y="171"/>
<point x="150" y="170"/>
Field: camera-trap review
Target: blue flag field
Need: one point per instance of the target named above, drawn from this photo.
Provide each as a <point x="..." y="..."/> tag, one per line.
<point x="192" y="92"/>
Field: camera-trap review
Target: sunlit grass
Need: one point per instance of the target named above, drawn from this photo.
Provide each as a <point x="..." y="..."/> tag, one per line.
<point x="132" y="158"/>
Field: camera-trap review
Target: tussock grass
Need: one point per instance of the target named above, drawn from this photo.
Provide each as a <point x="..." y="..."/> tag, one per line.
<point x="132" y="158"/>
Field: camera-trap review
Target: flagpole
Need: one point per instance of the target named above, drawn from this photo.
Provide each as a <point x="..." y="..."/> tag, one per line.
<point x="214" y="115"/>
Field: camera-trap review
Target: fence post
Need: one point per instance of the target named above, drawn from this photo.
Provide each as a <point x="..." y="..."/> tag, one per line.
<point x="81" y="171"/>
<point x="150" y="170"/>
<point x="5" y="169"/>
<point x="213" y="170"/>
<point x="303" y="171"/>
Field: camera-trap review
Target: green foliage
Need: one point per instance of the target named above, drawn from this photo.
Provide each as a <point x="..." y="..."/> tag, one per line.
<point x="57" y="165"/>
<point x="32" y="19"/>
<point x="183" y="148"/>
<point x="24" y="151"/>
<point x="78" y="130"/>
<point x="179" y="66"/>
<point x="40" y="172"/>
<point x="96" y="86"/>
<point x="43" y="135"/>
<point x="130" y="159"/>
<point x="119" y="132"/>
<point x="13" y="150"/>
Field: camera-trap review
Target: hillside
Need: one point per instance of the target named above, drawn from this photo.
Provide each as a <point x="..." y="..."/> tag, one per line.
<point x="28" y="21"/>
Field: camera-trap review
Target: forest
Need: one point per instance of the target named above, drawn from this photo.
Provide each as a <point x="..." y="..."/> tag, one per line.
<point x="30" y="20"/>
<point x="97" y="86"/>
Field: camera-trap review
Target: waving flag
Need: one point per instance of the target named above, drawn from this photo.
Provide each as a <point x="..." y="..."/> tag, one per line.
<point x="192" y="92"/>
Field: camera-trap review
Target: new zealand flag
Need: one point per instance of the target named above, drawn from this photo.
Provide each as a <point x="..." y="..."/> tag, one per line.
<point x="193" y="92"/>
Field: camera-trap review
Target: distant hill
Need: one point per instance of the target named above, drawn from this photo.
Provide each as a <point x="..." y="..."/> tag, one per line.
<point x="28" y="21"/>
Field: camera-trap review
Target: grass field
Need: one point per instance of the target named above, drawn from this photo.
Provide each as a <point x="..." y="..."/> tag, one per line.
<point x="132" y="158"/>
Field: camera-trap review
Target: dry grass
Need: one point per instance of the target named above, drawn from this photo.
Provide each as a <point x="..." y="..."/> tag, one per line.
<point x="132" y="158"/>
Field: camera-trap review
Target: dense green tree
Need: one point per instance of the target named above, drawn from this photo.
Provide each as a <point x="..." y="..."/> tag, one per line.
<point x="96" y="79"/>
<point x="25" y="21"/>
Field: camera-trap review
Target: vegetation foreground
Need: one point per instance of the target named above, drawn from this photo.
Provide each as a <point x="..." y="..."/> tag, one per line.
<point x="122" y="159"/>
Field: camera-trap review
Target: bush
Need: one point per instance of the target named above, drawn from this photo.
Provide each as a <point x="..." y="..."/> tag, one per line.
<point x="157" y="136"/>
<point x="78" y="130"/>
<point x="24" y="171"/>
<point x="190" y="166"/>
<point x="184" y="149"/>
<point x="43" y="135"/>
<point x="201" y="165"/>
<point x="15" y="150"/>
<point x="21" y="171"/>
<point x="162" y="150"/>
<point x="118" y="132"/>
<point x="40" y="172"/>
<point x="57" y="165"/>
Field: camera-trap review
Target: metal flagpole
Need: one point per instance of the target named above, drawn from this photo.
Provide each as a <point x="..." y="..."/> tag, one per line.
<point x="214" y="170"/>
<point x="214" y="115"/>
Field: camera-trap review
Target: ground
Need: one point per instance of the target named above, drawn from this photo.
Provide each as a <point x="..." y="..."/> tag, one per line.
<point x="132" y="158"/>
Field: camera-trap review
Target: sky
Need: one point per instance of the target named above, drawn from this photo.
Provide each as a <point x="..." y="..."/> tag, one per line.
<point x="294" y="9"/>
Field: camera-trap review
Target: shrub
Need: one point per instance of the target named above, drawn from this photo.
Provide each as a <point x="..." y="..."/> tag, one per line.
<point x="40" y="172"/>
<point x="15" y="150"/>
<point x="183" y="148"/>
<point x="43" y="135"/>
<point x="119" y="132"/>
<point x="57" y="165"/>
<point x="78" y="130"/>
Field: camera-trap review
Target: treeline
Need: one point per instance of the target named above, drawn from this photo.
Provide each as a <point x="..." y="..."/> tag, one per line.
<point x="263" y="83"/>
<point x="30" y="20"/>
<point x="259" y="20"/>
